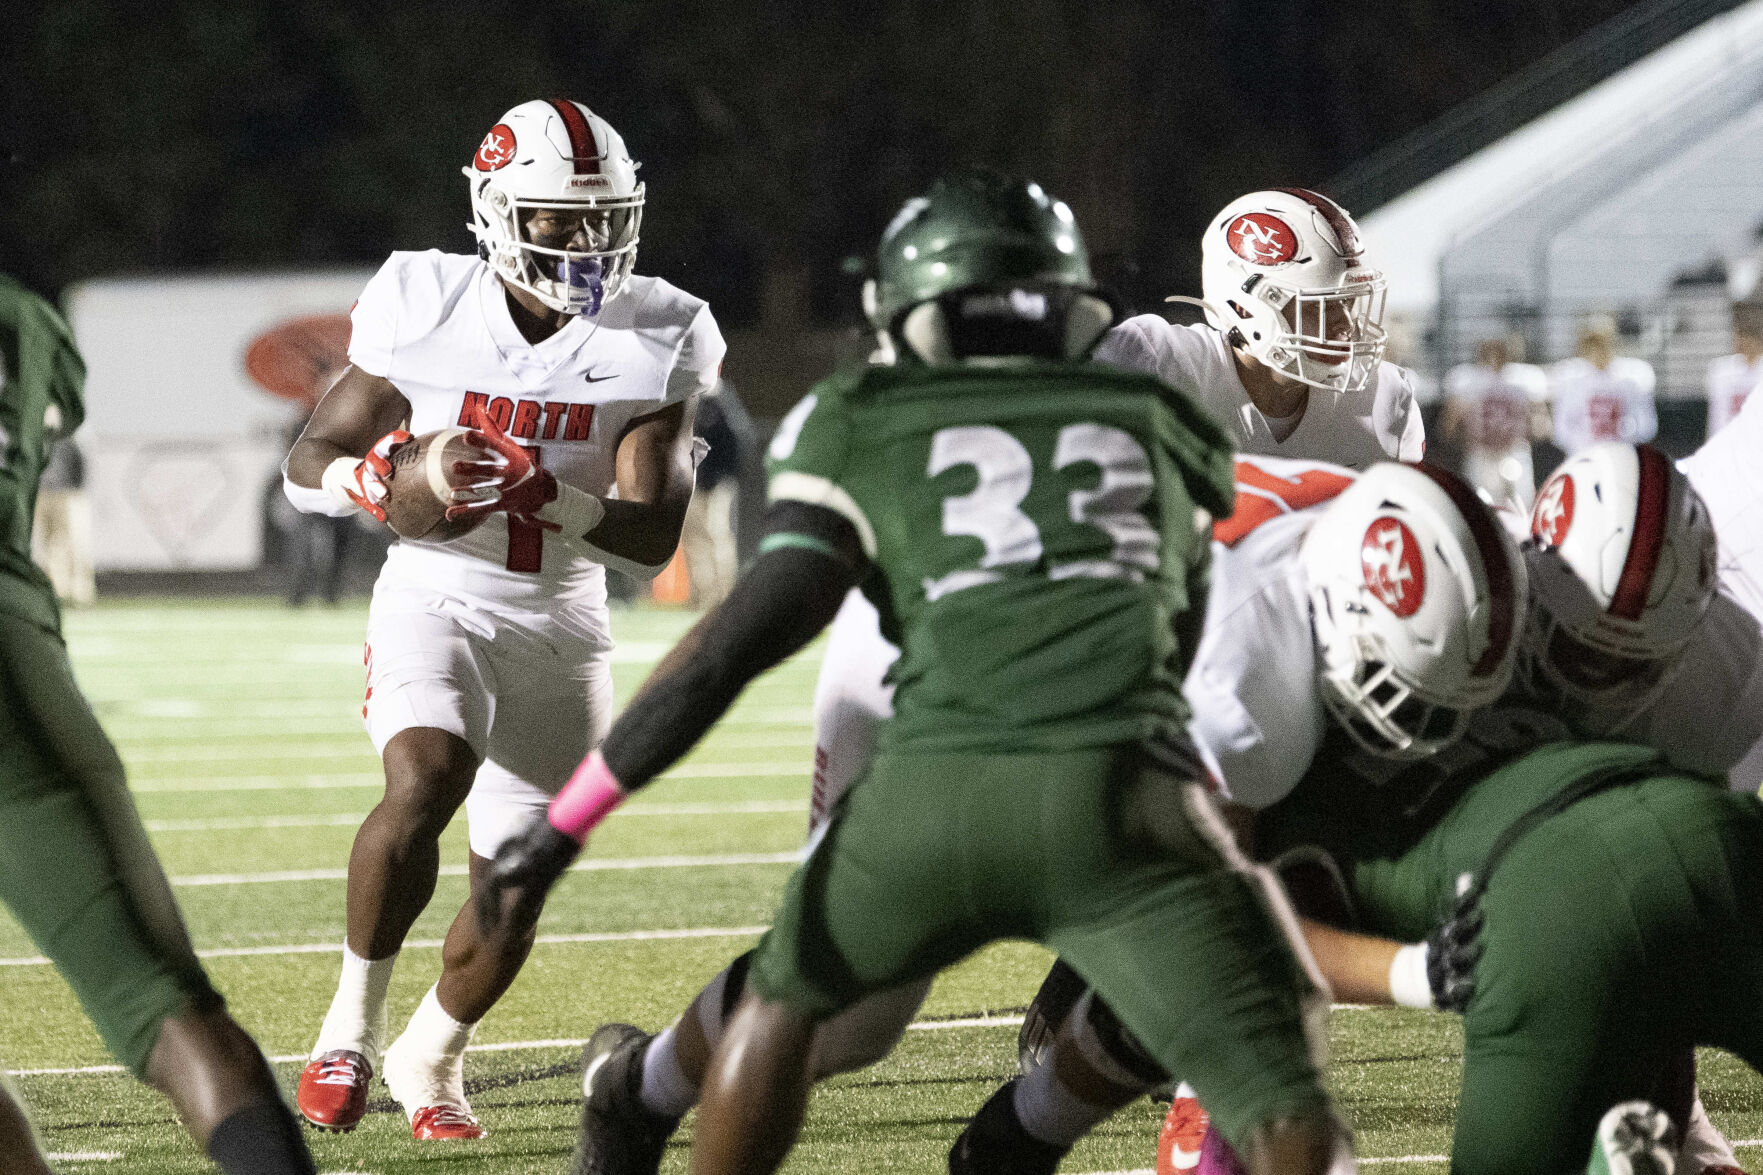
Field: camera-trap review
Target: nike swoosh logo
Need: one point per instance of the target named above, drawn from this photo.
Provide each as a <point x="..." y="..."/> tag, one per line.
<point x="594" y="379"/>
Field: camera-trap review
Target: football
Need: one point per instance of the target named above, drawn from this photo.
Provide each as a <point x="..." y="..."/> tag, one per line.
<point x="416" y="491"/>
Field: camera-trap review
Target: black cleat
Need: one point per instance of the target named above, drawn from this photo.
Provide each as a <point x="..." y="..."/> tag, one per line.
<point x="620" y="1135"/>
<point x="995" y="1143"/>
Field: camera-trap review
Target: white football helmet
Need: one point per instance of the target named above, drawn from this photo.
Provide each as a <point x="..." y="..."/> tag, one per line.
<point x="1284" y="278"/>
<point x="1622" y="569"/>
<point x="556" y="204"/>
<point x="1416" y="598"/>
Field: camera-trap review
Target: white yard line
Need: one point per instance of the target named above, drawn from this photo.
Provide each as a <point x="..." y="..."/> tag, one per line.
<point x="576" y="1042"/>
<point x="83" y="1156"/>
<point x="228" y="823"/>
<point x="332" y="946"/>
<point x="794" y="768"/>
<point x="1364" y="1161"/>
<point x="591" y="865"/>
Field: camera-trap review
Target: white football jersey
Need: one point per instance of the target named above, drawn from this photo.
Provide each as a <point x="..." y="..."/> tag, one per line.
<point x="1711" y="713"/>
<point x="437" y="325"/>
<point x="1257" y="706"/>
<point x="1610" y="404"/>
<point x="1380" y="422"/>
<point x="1728" y="475"/>
<point x="1496" y="404"/>
<point x="1731" y="378"/>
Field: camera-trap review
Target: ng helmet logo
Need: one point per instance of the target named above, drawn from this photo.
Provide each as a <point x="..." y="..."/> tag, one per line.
<point x="1262" y="239"/>
<point x="1553" y="515"/>
<point x="1390" y="561"/>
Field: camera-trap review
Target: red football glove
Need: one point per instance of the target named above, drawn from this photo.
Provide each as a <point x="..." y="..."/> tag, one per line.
<point x="508" y="479"/>
<point x="371" y="473"/>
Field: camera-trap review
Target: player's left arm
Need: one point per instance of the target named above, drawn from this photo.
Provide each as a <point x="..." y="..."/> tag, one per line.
<point x="809" y="559"/>
<point x="655" y="470"/>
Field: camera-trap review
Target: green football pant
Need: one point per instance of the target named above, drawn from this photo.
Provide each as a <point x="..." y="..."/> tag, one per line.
<point x="1618" y="933"/>
<point x="76" y="868"/>
<point x="1122" y="869"/>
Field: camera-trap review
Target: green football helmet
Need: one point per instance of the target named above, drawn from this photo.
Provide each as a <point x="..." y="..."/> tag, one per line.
<point x="982" y="266"/>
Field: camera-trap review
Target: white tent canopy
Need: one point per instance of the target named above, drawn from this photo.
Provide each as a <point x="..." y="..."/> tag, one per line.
<point x="1606" y="198"/>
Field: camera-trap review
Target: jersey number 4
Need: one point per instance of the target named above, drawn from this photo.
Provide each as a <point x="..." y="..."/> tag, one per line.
<point x="992" y="513"/>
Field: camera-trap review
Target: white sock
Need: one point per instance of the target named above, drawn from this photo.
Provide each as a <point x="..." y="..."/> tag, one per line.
<point x="666" y="1089"/>
<point x="428" y="1066"/>
<point x="1052" y="1113"/>
<point x="357" y="1017"/>
<point x="1703" y="1144"/>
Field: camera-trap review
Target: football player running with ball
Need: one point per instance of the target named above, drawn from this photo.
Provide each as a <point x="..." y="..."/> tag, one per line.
<point x="76" y="868"/>
<point x="488" y="677"/>
<point x="1036" y="525"/>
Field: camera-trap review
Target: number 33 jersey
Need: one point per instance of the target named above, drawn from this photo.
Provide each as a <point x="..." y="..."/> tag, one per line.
<point x="1040" y="537"/>
<point x="437" y="325"/>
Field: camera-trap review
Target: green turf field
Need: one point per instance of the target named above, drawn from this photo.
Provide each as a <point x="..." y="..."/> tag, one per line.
<point x="240" y="723"/>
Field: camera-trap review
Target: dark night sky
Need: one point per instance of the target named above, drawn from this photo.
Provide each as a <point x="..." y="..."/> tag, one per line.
<point x="776" y="137"/>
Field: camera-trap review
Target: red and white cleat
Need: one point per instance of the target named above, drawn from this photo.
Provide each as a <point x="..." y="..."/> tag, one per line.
<point x="1178" y="1147"/>
<point x="445" y="1124"/>
<point x="332" y="1094"/>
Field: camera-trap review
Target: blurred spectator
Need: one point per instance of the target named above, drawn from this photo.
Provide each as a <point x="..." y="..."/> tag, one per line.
<point x="61" y="533"/>
<point x="712" y="556"/>
<point x="1600" y="395"/>
<point x="318" y="550"/>
<point x="1493" y="408"/>
<point x="1731" y="377"/>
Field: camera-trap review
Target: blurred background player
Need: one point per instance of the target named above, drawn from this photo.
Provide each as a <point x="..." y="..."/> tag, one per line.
<point x="76" y="868"/>
<point x="1020" y="692"/>
<point x="1732" y="378"/>
<point x="710" y="540"/>
<point x="61" y="536"/>
<point x="488" y="674"/>
<point x="318" y="548"/>
<point x="1598" y="395"/>
<point x="1494" y="407"/>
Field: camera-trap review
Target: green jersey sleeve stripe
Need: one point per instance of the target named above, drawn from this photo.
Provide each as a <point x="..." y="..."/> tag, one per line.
<point x="807" y="542"/>
<point x="795" y="486"/>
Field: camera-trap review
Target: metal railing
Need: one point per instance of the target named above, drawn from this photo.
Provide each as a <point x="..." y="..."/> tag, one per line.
<point x="1528" y="94"/>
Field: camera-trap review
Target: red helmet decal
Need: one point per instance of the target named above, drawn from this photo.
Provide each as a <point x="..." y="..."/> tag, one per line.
<point x="1553" y="514"/>
<point x="1391" y="562"/>
<point x="1261" y="238"/>
<point x="497" y="149"/>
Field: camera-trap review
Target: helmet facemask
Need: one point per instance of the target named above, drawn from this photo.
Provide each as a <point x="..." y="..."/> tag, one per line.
<point x="1334" y="340"/>
<point x="572" y="262"/>
<point x="1328" y="339"/>
<point x="1596" y="689"/>
<point x="1380" y="708"/>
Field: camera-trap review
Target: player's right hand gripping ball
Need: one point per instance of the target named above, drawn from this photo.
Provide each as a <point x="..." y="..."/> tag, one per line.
<point x="1453" y="949"/>
<point x="523" y="872"/>
<point x="502" y="477"/>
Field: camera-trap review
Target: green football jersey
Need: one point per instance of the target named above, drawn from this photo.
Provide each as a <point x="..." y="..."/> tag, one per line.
<point x="1040" y="534"/>
<point x="42" y="368"/>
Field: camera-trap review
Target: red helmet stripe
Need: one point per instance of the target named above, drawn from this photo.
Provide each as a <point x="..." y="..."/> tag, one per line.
<point x="581" y="136"/>
<point x="1344" y="229"/>
<point x="1648" y="538"/>
<point x="1484" y="529"/>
